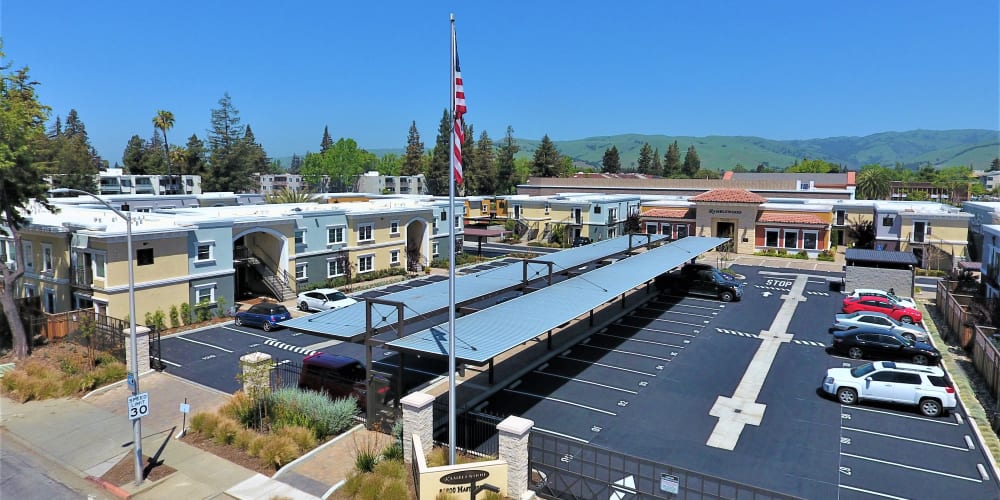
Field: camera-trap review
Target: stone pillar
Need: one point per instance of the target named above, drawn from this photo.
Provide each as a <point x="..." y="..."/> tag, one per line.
<point x="255" y="372"/>
<point x="141" y="345"/>
<point x="514" y="432"/>
<point x="418" y="418"/>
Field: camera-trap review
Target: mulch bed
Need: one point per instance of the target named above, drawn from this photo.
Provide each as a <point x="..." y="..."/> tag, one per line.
<point x="229" y="452"/>
<point x="124" y="471"/>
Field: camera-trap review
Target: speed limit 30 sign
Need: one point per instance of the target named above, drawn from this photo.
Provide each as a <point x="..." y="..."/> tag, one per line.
<point x="138" y="406"/>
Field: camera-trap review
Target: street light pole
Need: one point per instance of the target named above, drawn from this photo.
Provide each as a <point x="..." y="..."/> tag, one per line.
<point x="133" y="372"/>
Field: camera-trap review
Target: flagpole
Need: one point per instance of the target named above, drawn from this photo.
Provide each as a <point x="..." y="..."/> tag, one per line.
<point x="451" y="259"/>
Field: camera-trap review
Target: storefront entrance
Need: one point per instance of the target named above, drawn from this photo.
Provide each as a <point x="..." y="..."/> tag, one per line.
<point x="727" y="230"/>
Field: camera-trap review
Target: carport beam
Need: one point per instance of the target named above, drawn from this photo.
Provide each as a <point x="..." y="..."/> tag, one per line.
<point x="491" y="371"/>
<point x="524" y="270"/>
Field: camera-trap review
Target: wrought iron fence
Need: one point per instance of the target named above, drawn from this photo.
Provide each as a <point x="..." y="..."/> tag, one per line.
<point x="475" y="431"/>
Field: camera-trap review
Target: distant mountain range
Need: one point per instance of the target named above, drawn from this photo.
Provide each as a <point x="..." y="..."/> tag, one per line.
<point x="913" y="148"/>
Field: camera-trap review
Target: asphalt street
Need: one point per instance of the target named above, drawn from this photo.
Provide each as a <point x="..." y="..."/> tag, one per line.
<point x="26" y="474"/>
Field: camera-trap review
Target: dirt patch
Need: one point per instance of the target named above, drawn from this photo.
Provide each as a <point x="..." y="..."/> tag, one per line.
<point x="51" y="354"/>
<point x="229" y="452"/>
<point x="124" y="471"/>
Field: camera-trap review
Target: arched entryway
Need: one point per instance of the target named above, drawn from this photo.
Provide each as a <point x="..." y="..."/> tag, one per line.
<point x="260" y="258"/>
<point x="417" y="255"/>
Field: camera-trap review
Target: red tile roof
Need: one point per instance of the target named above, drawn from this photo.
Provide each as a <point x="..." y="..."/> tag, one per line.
<point x="790" y="218"/>
<point x="730" y="196"/>
<point x="673" y="213"/>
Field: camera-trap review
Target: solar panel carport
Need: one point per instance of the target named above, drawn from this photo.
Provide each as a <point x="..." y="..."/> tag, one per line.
<point x="349" y="323"/>
<point x="482" y="336"/>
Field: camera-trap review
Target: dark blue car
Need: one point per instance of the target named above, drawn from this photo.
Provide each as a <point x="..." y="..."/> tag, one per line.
<point x="266" y="315"/>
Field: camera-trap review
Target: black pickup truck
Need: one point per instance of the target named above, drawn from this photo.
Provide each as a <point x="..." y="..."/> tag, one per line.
<point x="702" y="279"/>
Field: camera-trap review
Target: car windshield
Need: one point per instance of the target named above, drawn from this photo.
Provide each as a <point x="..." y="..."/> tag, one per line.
<point x="862" y="370"/>
<point x="333" y="296"/>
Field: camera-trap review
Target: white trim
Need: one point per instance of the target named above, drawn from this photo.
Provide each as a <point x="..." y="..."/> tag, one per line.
<point x="371" y="268"/>
<point x="48" y="265"/>
<point x="777" y="237"/>
<point x="28" y="254"/>
<point x="393" y="257"/>
<point x="33" y="288"/>
<point x="815" y="234"/>
<point x="211" y="251"/>
<point x="305" y="271"/>
<point x="299" y="232"/>
<point x="198" y="289"/>
<point x="103" y="267"/>
<point x="335" y="259"/>
<point x="396" y="232"/>
<point x="343" y="236"/>
<point x="784" y="238"/>
<point x="370" y="226"/>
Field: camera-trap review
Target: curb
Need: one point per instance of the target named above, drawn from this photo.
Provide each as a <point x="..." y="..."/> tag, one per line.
<point x="110" y="488"/>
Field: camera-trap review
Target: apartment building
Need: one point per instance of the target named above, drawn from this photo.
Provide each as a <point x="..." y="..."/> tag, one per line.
<point x="571" y="215"/>
<point x="116" y="181"/>
<point x="375" y="183"/>
<point x="991" y="260"/>
<point x="984" y="213"/>
<point x="937" y="234"/>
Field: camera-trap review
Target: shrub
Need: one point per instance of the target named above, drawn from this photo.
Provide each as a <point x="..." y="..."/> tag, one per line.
<point x="159" y="320"/>
<point x="185" y="313"/>
<point x="204" y="422"/>
<point x="220" y="307"/>
<point x="303" y="437"/>
<point x="246" y="410"/>
<point x="365" y="460"/>
<point x="32" y="381"/>
<point x="149" y="318"/>
<point x="393" y="452"/>
<point x="225" y="431"/>
<point x="256" y="445"/>
<point x="781" y="252"/>
<point x="174" y="317"/>
<point x="204" y="312"/>
<point x="278" y="450"/>
<point x="353" y="484"/>
<point x="802" y="255"/>
<point x="290" y="407"/>
<point x="371" y="488"/>
<point x="244" y="438"/>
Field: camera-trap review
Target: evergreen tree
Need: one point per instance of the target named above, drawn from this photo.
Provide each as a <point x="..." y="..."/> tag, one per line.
<point x="612" y="162"/>
<point x="327" y="142"/>
<point x="506" y="166"/>
<point x="486" y="166"/>
<point x="547" y="160"/>
<point x="646" y="159"/>
<point x="56" y="129"/>
<point x="296" y="165"/>
<point x="68" y="156"/>
<point x="413" y="160"/>
<point x="227" y="171"/>
<point x="74" y="126"/>
<point x="672" y="161"/>
<point x="194" y="157"/>
<point x="252" y="154"/>
<point x="438" y="169"/>
<point x="691" y="162"/>
<point x="154" y="163"/>
<point x="133" y="156"/>
<point x="995" y="164"/>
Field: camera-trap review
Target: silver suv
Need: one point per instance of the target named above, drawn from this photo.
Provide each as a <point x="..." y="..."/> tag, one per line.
<point x="923" y="386"/>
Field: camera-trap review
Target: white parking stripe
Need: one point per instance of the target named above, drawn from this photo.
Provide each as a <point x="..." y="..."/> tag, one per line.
<point x="630" y="339"/>
<point x="658" y="330"/>
<point x="582" y="381"/>
<point x="557" y="400"/>
<point x="858" y="408"/>
<point x="672" y="313"/>
<point x="893" y="436"/>
<point x="626" y="352"/>
<point x="870" y="492"/>
<point x="672" y="305"/>
<point x="171" y="363"/>
<point x="693" y="298"/>
<point x="668" y="321"/>
<point x="554" y="433"/>
<point x="921" y="469"/>
<point x="203" y="343"/>
<point x="609" y="366"/>
<point x="245" y="332"/>
<point x="982" y="472"/>
<point x="968" y="442"/>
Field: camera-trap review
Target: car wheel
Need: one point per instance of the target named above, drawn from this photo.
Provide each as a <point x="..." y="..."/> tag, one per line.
<point x="930" y="407"/>
<point x="910" y="337"/>
<point x="267" y="326"/>
<point x="855" y="353"/>
<point x="303" y="306"/>
<point x="726" y="297"/>
<point x="906" y="319"/>
<point x="847" y="396"/>
<point x="239" y="321"/>
<point x="920" y="359"/>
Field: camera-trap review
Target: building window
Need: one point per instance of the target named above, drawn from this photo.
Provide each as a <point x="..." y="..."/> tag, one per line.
<point x="29" y="256"/>
<point x="206" y="251"/>
<point x="771" y="238"/>
<point x="841" y="217"/>
<point x="791" y="239"/>
<point x="394" y="257"/>
<point x="434" y="249"/>
<point x="444" y="216"/>
<point x="366" y="263"/>
<point x="809" y="239"/>
<point x="611" y="232"/>
<point x="300" y="237"/>
<point x="458" y="222"/>
<point x="887" y="221"/>
<point x="29" y="290"/>
<point x="667" y="230"/>
<point x="204" y="294"/>
<point x="300" y="272"/>
<point x="365" y="232"/>
<point x="46" y="258"/>
<point x="334" y="235"/>
<point x="394" y="227"/>
<point x="144" y="257"/>
<point x="99" y="265"/>
<point x="650" y="228"/>
<point x="334" y="267"/>
<point x="682" y="231"/>
<point x="597" y="209"/>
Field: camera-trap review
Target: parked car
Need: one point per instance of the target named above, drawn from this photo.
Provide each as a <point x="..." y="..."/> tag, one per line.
<point x="702" y="279"/>
<point x="339" y="377"/>
<point x="580" y="241"/>
<point x="323" y="299"/>
<point x="923" y="386"/>
<point x="877" y="321"/>
<point x="266" y="315"/>
<point x="879" y="304"/>
<point x="877" y="344"/>
<point x="872" y="292"/>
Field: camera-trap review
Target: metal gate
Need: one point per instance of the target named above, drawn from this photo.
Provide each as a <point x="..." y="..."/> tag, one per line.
<point x="562" y="468"/>
<point x="155" y="358"/>
<point x="381" y="402"/>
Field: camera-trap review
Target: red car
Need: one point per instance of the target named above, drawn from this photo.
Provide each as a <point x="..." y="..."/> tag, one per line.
<point x="882" y="305"/>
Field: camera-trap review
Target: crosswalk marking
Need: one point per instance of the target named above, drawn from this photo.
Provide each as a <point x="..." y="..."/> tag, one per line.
<point x="288" y="347"/>
<point x="756" y="336"/>
<point x="763" y="287"/>
<point x="824" y="294"/>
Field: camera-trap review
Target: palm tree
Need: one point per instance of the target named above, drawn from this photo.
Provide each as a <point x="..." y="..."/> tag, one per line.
<point x="873" y="182"/>
<point x="292" y="196"/>
<point x="164" y="121"/>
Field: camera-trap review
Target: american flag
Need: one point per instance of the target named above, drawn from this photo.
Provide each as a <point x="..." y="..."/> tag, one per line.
<point x="458" y="131"/>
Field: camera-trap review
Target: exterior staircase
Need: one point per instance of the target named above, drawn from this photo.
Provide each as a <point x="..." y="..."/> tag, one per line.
<point x="279" y="284"/>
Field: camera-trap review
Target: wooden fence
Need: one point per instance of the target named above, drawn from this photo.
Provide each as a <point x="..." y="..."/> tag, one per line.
<point x="955" y="309"/>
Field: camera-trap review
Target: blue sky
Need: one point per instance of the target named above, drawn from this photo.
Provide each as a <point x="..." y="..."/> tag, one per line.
<point x="780" y="70"/>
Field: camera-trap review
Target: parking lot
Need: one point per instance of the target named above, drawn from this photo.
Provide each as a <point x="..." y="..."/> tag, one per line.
<point x="731" y="390"/>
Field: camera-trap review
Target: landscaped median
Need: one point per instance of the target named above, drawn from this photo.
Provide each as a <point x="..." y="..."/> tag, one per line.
<point x="975" y="409"/>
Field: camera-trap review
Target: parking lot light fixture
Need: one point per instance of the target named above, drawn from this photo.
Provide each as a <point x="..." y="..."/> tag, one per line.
<point x="133" y="370"/>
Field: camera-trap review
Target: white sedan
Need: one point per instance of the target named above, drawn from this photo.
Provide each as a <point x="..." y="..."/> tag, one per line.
<point x="323" y="299"/>
<point x="891" y="297"/>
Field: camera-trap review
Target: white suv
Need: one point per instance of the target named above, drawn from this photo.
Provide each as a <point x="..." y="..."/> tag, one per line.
<point x="905" y="383"/>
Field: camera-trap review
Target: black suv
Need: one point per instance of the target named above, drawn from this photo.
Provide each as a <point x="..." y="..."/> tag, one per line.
<point x="702" y="279"/>
<point x="339" y="377"/>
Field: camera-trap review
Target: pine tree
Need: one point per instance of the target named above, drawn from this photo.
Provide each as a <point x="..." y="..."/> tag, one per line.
<point x="547" y="161"/>
<point x="133" y="155"/>
<point x="612" y="162"/>
<point x="691" y="162"/>
<point x="995" y="165"/>
<point x="486" y="166"/>
<point x="438" y="169"/>
<point x="657" y="168"/>
<point x="194" y="157"/>
<point x="413" y="160"/>
<point x="253" y="154"/>
<point x="506" y="167"/>
<point x="296" y="165"/>
<point x="74" y="127"/>
<point x="56" y="129"/>
<point x="327" y="140"/>
<point x="227" y="172"/>
<point x="672" y="161"/>
<point x="645" y="159"/>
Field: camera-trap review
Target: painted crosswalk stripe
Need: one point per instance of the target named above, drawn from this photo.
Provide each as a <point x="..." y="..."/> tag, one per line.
<point x="288" y="347"/>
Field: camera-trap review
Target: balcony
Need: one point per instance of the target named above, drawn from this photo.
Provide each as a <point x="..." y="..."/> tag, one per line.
<point x="81" y="277"/>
